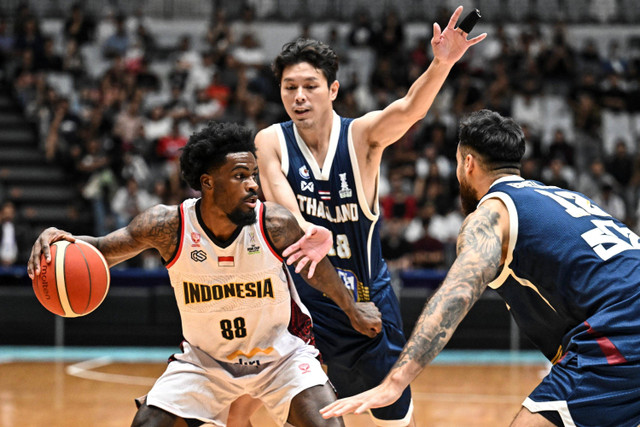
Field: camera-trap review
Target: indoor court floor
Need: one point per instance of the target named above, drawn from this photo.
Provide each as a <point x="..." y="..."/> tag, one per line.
<point x="95" y="387"/>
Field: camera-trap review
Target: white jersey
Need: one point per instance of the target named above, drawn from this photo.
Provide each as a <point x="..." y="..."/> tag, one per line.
<point x="236" y="299"/>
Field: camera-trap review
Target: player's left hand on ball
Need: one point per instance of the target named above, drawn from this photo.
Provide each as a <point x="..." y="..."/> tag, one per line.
<point x="312" y="247"/>
<point x="367" y="319"/>
<point x="377" y="397"/>
<point x="41" y="247"/>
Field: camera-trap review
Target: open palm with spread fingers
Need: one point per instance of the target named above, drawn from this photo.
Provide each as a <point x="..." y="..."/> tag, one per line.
<point x="312" y="247"/>
<point x="382" y="395"/>
<point x="449" y="45"/>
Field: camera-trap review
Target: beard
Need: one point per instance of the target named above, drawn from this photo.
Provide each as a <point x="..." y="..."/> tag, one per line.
<point x="468" y="198"/>
<point x="242" y="218"/>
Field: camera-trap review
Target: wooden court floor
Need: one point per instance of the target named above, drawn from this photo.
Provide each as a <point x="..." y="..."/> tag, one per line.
<point x="100" y="393"/>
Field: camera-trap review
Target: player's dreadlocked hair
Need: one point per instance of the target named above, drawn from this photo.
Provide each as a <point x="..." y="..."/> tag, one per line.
<point x="208" y="148"/>
<point x="314" y="52"/>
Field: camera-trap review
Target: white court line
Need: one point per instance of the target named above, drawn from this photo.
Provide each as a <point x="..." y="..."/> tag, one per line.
<point x="84" y="370"/>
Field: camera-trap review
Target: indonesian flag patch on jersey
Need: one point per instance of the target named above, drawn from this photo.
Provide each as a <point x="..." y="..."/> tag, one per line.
<point x="226" y="261"/>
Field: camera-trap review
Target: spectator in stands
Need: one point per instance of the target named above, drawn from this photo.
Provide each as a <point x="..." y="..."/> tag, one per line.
<point x="620" y="165"/>
<point x="128" y="124"/>
<point x="361" y="33"/>
<point x="561" y="148"/>
<point x="247" y="22"/>
<point x="73" y="61"/>
<point x="444" y="227"/>
<point x="30" y="38"/>
<point x="169" y="145"/>
<point x="610" y="201"/>
<point x="98" y="181"/>
<point x="526" y="105"/>
<point x="14" y="236"/>
<point x="129" y="200"/>
<point x="427" y="253"/>
<point x="63" y="133"/>
<point x="389" y="39"/>
<point x="200" y="73"/>
<point x="589" y="58"/>
<point x="50" y="60"/>
<point x="558" y="61"/>
<point x="396" y="249"/>
<point x="185" y="53"/>
<point x="468" y="95"/>
<point x="250" y="54"/>
<point x="79" y="27"/>
<point x="158" y="124"/>
<point x="118" y="42"/>
<point x="219" y="34"/>
<point x="557" y="174"/>
<point x="6" y="44"/>
<point x="205" y="108"/>
<point x="399" y="203"/>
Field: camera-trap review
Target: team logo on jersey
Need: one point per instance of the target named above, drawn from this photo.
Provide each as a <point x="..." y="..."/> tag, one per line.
<point x="306" y="186"/>
<point x="305" y="368"/>
<point x="304" y="172"/>
<point x="195" y="239"/>
<point x="345" y="191"/>
<point x="198" y="255"/>
<point x="252" y="246"/>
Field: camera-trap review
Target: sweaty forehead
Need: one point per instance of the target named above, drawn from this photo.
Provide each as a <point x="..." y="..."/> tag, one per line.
<point x="240" y="159"/>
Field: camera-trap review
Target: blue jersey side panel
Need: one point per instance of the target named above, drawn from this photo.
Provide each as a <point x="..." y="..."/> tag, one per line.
<point x="572" y="277"/>
<point x="332" y="201"/>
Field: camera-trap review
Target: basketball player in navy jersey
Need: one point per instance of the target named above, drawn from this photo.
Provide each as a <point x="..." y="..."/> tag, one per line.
<point x="325" y="169"/>
<point x="245" y="329"/>
<point x="567" y="270"/>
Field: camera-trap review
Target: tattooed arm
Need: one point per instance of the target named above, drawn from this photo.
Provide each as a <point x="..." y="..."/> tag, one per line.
<point x="480" y="252"/>
<point x="157" y="228"/>
<point x="283" y="231"/>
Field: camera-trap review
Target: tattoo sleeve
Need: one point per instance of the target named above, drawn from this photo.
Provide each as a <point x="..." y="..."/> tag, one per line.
<point x="157" y="227"/>
<point x="284" y="230"/>
<point x="479" y="252"/>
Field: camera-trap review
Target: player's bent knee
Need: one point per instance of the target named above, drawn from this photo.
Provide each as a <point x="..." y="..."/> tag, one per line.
<point x="306" y="405"/>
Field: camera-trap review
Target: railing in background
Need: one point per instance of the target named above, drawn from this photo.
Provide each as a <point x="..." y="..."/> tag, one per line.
<point x="508" y="11"/>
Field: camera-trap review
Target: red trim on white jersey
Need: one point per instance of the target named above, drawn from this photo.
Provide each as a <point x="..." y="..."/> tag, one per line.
<point x="180" y="238"/>
<point x="264" y="234"/>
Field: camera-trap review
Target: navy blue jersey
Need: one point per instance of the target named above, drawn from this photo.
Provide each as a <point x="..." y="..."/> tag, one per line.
<point x="571" y="278"/>
<point x="333" y="197"/>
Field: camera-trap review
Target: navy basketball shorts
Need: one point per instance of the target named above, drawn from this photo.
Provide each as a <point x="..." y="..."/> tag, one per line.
<point x="355" y="362"/>
<point x="601" y="395"/>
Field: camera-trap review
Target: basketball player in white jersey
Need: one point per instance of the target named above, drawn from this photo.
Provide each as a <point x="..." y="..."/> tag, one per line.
<point x="246" y="331"/>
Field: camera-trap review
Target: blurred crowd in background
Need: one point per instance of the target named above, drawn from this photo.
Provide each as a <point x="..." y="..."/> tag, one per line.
<point x="114" y="108"/>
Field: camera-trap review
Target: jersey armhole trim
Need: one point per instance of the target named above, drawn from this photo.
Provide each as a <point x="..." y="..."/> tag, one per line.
<point x="372" y="215"/>
<point x="284" y="153"/>
<point x="265" y="235"/>
<point x="178" y="250"/>
<point x="513" y="236"/>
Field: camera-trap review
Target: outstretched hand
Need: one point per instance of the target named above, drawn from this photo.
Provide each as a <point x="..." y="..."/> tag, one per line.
<point x="313" y="246"/>
<point x="42" y="246"/>
<point x="383" y="395"/>
<point x="449" y="45"/>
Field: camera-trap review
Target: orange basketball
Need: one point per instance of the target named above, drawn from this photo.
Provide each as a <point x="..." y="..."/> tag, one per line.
<point x="75" y="282"/>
